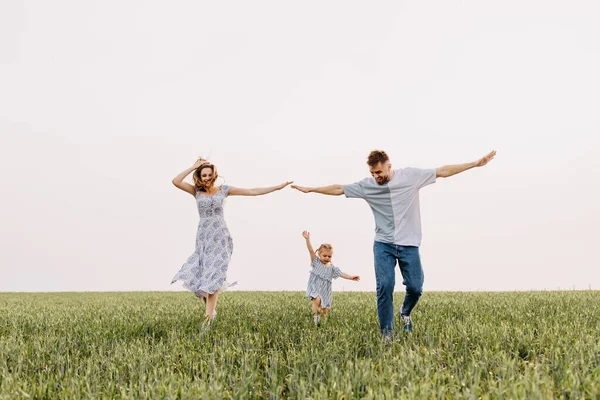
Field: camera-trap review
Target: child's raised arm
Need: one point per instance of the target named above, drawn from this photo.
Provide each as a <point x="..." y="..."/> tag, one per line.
<point x="350" y="277"/>
<point x="306" y="235"/>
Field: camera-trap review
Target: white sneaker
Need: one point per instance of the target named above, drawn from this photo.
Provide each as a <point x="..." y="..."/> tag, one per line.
<point x="407" y="323"/>
<point x="388" y="339"/>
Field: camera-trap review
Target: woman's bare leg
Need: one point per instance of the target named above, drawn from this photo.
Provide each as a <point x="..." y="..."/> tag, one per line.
<point x="211" y="304"/>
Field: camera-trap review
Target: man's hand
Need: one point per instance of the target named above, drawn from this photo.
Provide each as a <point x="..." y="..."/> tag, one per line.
<point x="484" y="160"/>
<point x="303" y="189"/>
<point x="450" y="170"/>
<point x="332" y="190"/>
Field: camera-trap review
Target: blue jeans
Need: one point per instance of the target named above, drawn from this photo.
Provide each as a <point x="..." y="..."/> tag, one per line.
<point x="386" y="255"/>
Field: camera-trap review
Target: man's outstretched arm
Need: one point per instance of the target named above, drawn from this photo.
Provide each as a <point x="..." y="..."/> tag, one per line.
<point x="332" y="190"/>
<point x="449" y="170"/>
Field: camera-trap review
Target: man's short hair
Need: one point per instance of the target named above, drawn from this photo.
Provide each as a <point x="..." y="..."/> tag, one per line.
<point x="376" y="157"/>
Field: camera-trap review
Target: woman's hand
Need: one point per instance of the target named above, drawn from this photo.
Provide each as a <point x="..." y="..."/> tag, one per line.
<point x="306" y="235"/>
<point x="200" y="162"/>
<point x="284" y="185"/>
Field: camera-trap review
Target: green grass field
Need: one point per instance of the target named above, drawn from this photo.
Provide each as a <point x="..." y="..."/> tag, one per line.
<point x="264" y="345"/>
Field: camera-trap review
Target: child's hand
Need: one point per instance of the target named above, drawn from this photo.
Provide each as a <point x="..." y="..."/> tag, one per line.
<point x="306" y="235"/>
<point x="355" y="278"/>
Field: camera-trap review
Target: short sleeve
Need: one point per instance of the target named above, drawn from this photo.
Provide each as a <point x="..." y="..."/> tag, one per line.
<point x="336" y="272"/>
<point x="315" y="261"/>
<point x="421" y="177"/>
<point x="225" y="189"/>
<point x="354" y="190"/>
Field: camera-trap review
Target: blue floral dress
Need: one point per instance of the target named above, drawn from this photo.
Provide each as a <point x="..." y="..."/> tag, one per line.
<point x="205" y="270"/>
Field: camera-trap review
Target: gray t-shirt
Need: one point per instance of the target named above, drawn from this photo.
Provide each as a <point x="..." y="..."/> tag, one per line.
<point x="395" y="204"/>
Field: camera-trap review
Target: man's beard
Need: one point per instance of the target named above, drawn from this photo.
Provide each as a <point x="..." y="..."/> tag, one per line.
<point x="385" y="180"/>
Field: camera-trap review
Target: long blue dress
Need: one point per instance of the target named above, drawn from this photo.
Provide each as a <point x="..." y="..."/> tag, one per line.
<point x="205" y="270"/>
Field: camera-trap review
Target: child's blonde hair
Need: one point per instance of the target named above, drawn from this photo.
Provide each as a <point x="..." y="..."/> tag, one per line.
<point x="324" y="246"/>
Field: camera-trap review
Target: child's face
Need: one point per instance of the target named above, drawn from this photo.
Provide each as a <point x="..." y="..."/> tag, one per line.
<point x="325" y="256"/>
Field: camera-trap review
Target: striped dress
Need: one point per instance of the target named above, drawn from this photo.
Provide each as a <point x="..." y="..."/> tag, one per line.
<point x="319" y="283"/>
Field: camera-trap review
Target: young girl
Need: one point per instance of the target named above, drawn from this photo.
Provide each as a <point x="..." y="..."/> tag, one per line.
<point x="321" y="274"/>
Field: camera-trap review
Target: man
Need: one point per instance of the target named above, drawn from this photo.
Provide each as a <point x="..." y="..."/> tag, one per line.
<point x="393" y="196"/>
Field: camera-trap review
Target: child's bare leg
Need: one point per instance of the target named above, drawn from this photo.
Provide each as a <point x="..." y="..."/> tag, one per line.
<point x="315" y="310"/>
<point x="316" y="304"/>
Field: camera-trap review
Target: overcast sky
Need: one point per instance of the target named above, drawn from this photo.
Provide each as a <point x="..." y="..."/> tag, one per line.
<point x="102" y="103"/>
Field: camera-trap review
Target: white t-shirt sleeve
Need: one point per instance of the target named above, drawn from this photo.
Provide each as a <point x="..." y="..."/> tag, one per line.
<point x="422" y="177"/>
<point x="354" y="190"/>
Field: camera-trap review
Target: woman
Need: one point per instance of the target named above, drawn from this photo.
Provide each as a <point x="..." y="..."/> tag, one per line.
<point x="205" y="270"/>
